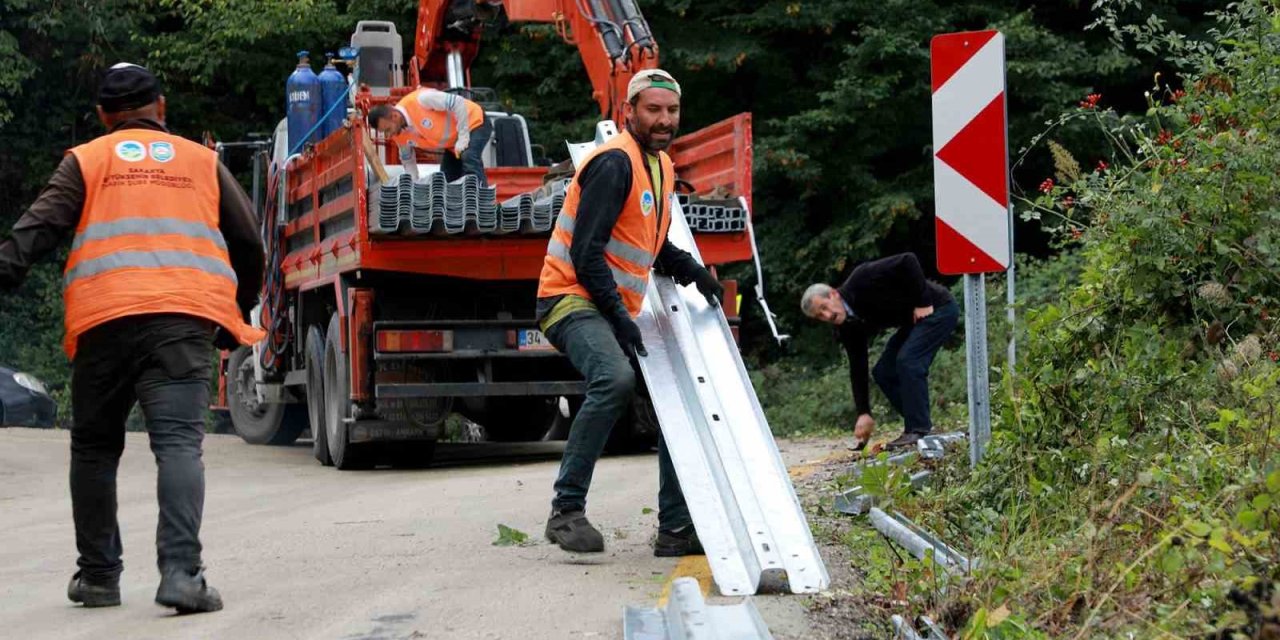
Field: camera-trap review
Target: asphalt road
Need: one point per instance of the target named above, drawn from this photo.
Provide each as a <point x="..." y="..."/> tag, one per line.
<point x="302" y="551"/>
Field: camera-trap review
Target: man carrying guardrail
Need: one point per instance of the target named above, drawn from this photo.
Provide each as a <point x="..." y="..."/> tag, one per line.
<point x="610" y="234"/>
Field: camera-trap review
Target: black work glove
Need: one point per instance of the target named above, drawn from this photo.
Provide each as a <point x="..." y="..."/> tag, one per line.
<point x="628" y="334"/>
<point x="709" y="287"/>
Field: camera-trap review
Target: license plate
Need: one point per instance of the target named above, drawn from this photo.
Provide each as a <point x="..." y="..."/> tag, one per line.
<point x="533" y="340"/>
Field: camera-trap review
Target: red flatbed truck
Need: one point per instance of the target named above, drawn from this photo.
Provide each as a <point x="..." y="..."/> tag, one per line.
<point x="375" y="339"/>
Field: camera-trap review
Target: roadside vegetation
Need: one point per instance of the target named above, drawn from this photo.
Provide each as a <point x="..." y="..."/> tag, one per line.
<point x="1132" y="488"/>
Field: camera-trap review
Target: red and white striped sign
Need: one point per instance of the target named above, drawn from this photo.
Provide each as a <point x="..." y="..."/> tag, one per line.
<point x="970" y="154"/>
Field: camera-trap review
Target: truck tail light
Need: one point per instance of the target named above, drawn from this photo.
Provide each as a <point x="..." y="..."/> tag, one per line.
<point x="414" y="341"/>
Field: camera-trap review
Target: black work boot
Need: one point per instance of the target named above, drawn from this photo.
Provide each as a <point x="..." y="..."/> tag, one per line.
<point x="907" y="439"/>
<point x="680" y="542"/>
<point x="93" y="594"/>
<point x="572" y="531"/>
<point x="187" y="592"/>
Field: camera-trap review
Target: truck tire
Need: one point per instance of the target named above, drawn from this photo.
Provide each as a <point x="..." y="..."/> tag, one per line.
<point x="315" y="395"/>
<point x="337" y="404"/>
<point x="259" y="422"/>
<point x="638" y="430"/>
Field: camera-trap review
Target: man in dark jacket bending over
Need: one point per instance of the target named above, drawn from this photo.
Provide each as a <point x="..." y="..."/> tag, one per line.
<point x="882" y="294"/>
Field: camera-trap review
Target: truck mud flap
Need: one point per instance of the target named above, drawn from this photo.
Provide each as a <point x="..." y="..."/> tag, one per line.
<point x="740" y="496"/>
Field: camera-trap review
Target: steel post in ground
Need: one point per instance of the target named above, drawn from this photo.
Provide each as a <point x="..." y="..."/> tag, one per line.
<point x="975" y="337"/>
<point x="1013" y="333"/>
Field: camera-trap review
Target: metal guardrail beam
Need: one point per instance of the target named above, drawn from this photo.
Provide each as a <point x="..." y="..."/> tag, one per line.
<point x="903" y="630"/>
<point x="917" y="541"/>
<point x="855" y="503"/>
<point x="688" y="617"/>
<point x="740" y="496"/>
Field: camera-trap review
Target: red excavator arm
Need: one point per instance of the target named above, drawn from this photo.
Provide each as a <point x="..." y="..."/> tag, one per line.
<point x="612" y="37"/>
<point x="614" y="42"/>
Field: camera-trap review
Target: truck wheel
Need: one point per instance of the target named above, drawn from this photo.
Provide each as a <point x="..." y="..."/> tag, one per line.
<point x="638" y="430"/>
<point x="259" y="422"/>
<point x="337" y="403"/>
<point x="315" y="396"/>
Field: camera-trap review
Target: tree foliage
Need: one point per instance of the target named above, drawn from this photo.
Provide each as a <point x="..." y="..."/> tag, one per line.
<point x="838" y="90"/>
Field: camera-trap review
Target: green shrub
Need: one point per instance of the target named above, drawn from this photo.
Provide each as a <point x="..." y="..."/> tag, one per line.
<point x="1131" y="486"/>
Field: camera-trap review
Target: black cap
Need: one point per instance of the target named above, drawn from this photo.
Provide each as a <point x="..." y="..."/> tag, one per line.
<point x="127" y="86"/>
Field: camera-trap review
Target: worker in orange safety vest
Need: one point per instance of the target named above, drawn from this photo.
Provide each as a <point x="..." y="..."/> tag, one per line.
<point x="610" y="234"/>
<point x="166" y="261"/>
<point x="437" y="121"/>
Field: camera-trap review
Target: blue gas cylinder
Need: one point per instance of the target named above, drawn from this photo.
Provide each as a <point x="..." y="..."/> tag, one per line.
<point x="333" y="90"/>
<point x="302" y="99"/>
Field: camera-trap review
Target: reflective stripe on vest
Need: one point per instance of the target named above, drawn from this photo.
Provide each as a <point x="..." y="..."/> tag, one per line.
<point x="615" y="247"/>
<point x="625" y="280"/>
<point x="148" y="260"/>
<point x="148" y="227"/>
<point x="148" y="240"/>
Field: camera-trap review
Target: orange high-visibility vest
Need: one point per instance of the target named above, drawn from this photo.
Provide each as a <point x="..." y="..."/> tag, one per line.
<point x="431" y="129"/>
<point x="148" y="239"/>
<point x="637" y="237"/>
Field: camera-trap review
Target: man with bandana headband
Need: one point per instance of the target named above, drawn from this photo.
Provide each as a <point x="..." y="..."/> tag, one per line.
<point x="610" y="234"/>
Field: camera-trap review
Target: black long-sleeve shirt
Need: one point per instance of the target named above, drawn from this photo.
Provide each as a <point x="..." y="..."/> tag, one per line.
<point x="882" y="294"/>
<point x="605" y="183"/>
<point x="56" y="213"/>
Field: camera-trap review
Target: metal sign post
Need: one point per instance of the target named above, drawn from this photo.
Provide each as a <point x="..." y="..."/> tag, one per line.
<point x="1010" y="300"/>
<point x="975" y="338"/>
<point x="971" y="193"/>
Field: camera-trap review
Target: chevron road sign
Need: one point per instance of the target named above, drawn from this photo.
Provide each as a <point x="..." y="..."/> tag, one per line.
<point x="970" y="155"/>
<point x="971" y="193"/>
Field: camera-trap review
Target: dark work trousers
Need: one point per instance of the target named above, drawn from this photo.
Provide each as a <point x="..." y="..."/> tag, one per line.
<point x="588" y="340"/>
<point x="903" y="369"/>
<point x="472" y="161"/>
<point x="161" y="362"/>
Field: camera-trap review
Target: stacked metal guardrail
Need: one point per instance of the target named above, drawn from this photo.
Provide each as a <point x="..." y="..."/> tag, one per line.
<point x="434" y="206"/>
<point x="713" y="216"/>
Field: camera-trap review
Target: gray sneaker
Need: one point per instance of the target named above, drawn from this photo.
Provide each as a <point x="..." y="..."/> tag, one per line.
<point x="574" y="533"/>
<point x="187" y="592"/>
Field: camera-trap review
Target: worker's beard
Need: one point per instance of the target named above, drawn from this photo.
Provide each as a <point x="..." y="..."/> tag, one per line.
<point x="646" y="139"/>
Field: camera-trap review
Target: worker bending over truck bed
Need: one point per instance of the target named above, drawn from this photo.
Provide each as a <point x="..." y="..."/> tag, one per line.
<point x="437" y="121"/>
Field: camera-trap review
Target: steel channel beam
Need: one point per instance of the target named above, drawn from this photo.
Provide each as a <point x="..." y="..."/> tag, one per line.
<point x="917" y="541"/>
<point x="855" y="503"/>
<point x="688" y="617"/>
<point x="478" y="389"/>
<point x="739" y="493"/>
